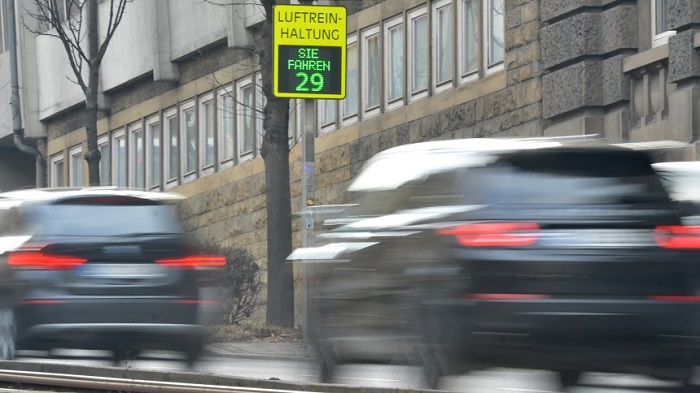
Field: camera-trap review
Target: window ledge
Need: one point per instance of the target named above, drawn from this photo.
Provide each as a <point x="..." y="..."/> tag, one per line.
<point x="646" y="58"/>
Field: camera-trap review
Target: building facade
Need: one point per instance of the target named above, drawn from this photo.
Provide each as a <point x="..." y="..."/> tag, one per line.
<point x="182" y="102"/>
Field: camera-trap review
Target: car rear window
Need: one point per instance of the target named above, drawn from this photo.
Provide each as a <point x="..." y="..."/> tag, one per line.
<point x="107" y="218"/>
<point x="566" y="177"/>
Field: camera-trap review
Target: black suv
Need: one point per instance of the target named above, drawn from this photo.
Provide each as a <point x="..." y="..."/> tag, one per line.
<point x="469" y="254"/>
<point x="100" y="269"/>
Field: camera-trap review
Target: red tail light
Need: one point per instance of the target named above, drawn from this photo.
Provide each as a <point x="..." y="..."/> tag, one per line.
<point x="35" y="257"/>
<point x="678" y="236"/>
<point x="194" y="261"/>
<point x="494" y="234"/>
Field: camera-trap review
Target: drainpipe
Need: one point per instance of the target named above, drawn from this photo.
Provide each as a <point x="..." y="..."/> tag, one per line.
<point x="14" y="100"/>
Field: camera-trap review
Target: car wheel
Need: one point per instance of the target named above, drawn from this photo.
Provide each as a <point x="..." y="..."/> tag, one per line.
<point x="327" y="363"/>
<point x="193" y="353"/>
<point x="569" y="377"/>
<point x="8" y="334"/>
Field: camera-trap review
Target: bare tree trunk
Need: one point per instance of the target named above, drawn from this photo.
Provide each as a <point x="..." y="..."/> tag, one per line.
<point x="275" y="153"/>
<point x="92" y="156"/>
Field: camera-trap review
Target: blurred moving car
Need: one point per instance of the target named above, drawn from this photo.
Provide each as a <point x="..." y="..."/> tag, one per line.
<point x="484" y="253"/>
<point x="101" y="269"/>
<point x="682" y="179"/>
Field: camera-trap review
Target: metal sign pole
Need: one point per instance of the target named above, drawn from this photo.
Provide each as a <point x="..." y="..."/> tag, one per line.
<point x="308" y="195"/>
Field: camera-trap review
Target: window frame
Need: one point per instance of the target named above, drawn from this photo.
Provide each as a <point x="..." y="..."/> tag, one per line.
<point x="58" y="160"/>
<point x="188" y="174"/>
<point x="116" y="136"/>
<point x="366" y="34"/>
<point x="241" y="84"/>
<point x="351" y="118"/>
<point x="260" y="102"/>
<point x="104" y="141"/>
<point x="326" y="125"/>
<point x="412" y="93"/>
<point x="661" y="38"/>
<point x="294" y="130"/>
<point x="469" y="75"/>
<point x="76" y="179"/>
<point x="222" y="94"/>
<point x="133" y="155"/>
<point x="437" y="85"/>
<point x="150" y="183"/>
<point x="204" y="100"/>
<point x="168" y="133"/>
<point x="389" y="25"/>
<point x="486" y="43"/>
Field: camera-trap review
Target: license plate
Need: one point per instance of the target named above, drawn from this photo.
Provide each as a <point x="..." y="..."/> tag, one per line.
<point x="623" y="238"/>
<point x="121" y="270"/>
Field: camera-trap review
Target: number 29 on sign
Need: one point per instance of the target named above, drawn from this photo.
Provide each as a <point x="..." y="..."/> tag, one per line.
<point x="309" y="82"/>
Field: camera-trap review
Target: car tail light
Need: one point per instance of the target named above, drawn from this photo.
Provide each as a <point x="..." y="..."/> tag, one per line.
<point x="194" y="261"/>
<point x="37" y="256"/>
<point x="494" y="234"/>
<point x="678" y="236"/>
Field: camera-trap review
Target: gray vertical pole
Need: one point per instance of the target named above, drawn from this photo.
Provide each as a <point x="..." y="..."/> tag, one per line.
<point x="308" y="193"/>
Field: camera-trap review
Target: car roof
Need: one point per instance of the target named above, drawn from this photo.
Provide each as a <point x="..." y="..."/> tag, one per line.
<point x="679" y="166"/>
<point x="399" y="165"/>
<point x="63" y="193"/>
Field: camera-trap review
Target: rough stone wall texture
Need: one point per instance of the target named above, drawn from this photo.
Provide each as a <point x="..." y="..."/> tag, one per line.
<point x="682" y="13"/>
<point x="582" y="47"/>
<point x="683" y="60"/>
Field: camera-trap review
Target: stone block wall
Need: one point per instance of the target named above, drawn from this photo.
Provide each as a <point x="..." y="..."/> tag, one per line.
<point x="583" y="44"/>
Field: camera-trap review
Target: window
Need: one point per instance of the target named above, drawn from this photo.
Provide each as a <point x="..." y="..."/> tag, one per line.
<point x="103" y="147"/>
<point x="4" y="41"/>
<point x="469" y="44"/>
<point x="75" y="166"/>
<point x="154" y="152"/>
<point x="57" y="174"/>
<point x="188" y="135"/>
<point x="119" y="159"/>
<point x="659" y="22"/>
<point x="394" y="81"/>
<point x="137" y="160"/>
<point x="246" y="116"/>
<point x="206" y="132"/>
<point x="349" y="105"/>
<point x="443" y="45"/>
<point x="418" y="53"/>
<point x="495" y="46"/>
<point x="227" y="135"/>
<point x="371" y="76"/>
<point x="326" y="115"/>
<point x="295" y="121"/>
<point x="171" y="137"/>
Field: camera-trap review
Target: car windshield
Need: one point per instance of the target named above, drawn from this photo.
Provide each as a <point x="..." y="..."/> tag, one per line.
<point x="557" y="178"/>
<point x="106" y="220"/>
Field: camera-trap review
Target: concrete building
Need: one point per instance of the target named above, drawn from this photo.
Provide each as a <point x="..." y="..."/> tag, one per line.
<point x="182" y="102"/>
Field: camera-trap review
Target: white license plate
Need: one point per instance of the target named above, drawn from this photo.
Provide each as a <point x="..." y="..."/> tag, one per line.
<point x="622" y="238"/>
<point x="121" y="270"/>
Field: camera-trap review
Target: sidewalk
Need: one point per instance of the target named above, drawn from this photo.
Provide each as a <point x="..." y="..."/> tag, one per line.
<point x="282" y="351"/>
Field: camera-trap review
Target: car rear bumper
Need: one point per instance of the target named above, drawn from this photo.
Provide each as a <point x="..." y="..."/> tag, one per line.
<point x="553" y="333"/>
<point x="151" y="323"/>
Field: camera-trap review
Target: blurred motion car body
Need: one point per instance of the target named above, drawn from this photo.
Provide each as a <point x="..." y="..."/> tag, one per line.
<point x="101" y="268"/>
<point x="469" y="254"/>
<point x="682" y="179"/>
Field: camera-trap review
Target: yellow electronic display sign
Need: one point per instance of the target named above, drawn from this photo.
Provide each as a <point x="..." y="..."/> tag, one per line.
<point x="310" y="43"/>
